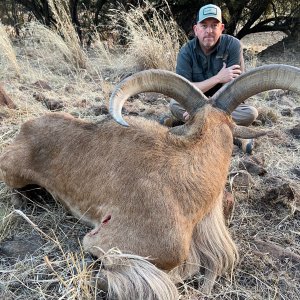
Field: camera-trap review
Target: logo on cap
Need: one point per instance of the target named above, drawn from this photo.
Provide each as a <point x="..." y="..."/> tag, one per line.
<point x="210" y="11"/>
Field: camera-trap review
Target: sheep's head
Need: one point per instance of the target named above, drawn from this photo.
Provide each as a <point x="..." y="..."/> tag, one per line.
<point x="226" y="99"/>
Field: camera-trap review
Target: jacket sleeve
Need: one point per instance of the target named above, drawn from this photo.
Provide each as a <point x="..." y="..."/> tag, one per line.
<point x="235" y="54"/>
<point x="184" y="63"/>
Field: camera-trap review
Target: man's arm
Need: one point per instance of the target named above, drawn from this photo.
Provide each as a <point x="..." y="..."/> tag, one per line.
<point x="225" y="75"/>
<point x="235" y="67"/>
<point x="235" y="54"/>
<point x="184" y="63"/>
<point x="232" y="69"/>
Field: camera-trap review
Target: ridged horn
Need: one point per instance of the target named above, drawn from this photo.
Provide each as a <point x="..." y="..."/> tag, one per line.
<point x="264" y="78"/>
<point x="158" y="81"/>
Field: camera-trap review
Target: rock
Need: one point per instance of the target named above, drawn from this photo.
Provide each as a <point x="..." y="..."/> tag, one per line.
<point x="23" y="88"/>
<point x="235" y="150"/>
<point x="3" y="116"/>
<point x="296" y="171"/>
<point x="5" y="100"/>
<point x="69" y="89"/>
<point x="296" y="131"/>
<point x="100" y="110"/>
<point x="286" y="112"/>
<point x="267" y="116"/>
<point x="54" y="104"/>
<point x="286" y="101"/>
<point x="42" y="85"/>
<point x="289" y="47"/>
<point x="297" y="110"/>
<point x="253" y="165"/>
<point x="241" y="180"/>
<point x="257" y="123"/>
<point x="81" y="103"/>
<point x="17" y="201"/>
<point x="39" y="97"/>
<point x="150" y="97"/>
<point x="19" y="247"/>
<point x="277" y="251"/>
<point x="133" y="113"/>
<point x="280" y="190"/>
<point x="31" y="193"/>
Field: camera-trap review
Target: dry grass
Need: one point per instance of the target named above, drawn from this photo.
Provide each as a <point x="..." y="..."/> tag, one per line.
<point x="57" y="268"/>
<point x="152" y="42"/>
<point x="7" y="51"/>
<point x="39" y="38"/>
<point x="66" y="29"/>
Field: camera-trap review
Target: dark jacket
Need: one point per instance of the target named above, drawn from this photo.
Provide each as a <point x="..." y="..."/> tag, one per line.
<point x="195" y="66"/>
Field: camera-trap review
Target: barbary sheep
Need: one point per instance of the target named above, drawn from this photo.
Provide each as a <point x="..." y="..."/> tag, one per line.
<point x="155" y="193"/>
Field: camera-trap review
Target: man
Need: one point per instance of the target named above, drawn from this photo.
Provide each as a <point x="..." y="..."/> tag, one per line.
<point x="210" y="60"/>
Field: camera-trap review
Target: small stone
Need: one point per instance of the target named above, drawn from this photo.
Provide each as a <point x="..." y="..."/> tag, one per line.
<point x="20" y="247"/>
<point x="286" y="101"/>
<point x="69" y="89"/>
<point x="286" y="112"/>
<point x="3" y="116"/>
<point x="23" y="88"/>
<point x="279" y="190"/>
<point x="241" y="179"/>
<point x="296" y="171"/>
<point x="80" y="103"/>
<point x="43" y="85"/>
<point x="39" y="97"/>
<point x="296" y="131"/>
<point x="100" y="110"/>
<point x="253" y="166"/>
<point x="235" y="150"/>
<point x="297" y="110"/>
<point x="54" y="105"/>
<point x="257" y="123"/>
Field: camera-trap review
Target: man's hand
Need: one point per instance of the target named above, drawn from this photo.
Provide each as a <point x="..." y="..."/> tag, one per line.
<point x="186" y="116"/>
<point x="227" y="74"/>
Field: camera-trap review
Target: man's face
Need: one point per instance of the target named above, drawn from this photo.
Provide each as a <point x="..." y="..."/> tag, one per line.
<point x="208" y="32"/>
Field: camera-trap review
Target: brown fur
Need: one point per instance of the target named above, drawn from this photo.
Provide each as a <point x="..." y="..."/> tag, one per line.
<point x="145" y="190"/>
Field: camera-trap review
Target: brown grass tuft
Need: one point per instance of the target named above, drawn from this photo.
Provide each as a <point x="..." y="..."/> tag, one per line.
<point x="267" y="116"/>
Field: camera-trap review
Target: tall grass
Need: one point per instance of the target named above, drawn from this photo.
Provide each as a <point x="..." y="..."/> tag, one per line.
<point x="7" y="51"/>
<point x="153" y="42"/>
<point x="106" y="49"/>
<point x="44" y="38"/>
<point x="66" y="29"/>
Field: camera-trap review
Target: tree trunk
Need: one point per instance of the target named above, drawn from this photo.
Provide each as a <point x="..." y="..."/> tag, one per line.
<point x="99" y="6"/>
<point x="74" y="17"/>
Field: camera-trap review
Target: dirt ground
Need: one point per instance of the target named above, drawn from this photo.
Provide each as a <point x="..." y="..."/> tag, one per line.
<point x="40" y="254"/>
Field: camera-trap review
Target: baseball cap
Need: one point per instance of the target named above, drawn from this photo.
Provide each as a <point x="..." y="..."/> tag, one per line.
<point x="209" y="11"/>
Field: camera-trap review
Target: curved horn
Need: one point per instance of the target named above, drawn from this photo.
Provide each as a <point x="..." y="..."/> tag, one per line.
<point x="158" y="81"/>
<point x="258" y="80"/>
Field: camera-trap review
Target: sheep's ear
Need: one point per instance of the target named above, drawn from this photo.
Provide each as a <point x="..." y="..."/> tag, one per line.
<point x="248" y="133"/>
